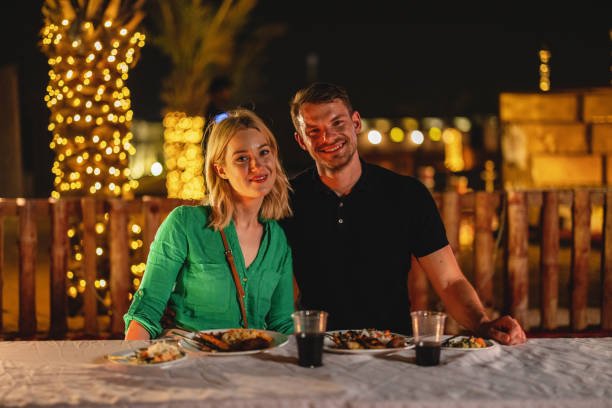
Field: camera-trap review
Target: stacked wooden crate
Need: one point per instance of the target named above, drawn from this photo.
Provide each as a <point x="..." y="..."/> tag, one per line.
<point x="561" y="139"/>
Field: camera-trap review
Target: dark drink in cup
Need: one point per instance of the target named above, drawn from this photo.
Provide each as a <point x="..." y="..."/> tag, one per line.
<point x="427" y="353"/>
<point x="310" y="349"/>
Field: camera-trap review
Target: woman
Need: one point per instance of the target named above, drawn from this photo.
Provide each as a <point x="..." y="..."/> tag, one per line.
<point x="187" y="270"/>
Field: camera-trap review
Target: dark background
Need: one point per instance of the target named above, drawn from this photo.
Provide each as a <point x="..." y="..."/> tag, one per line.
<point x="394" y="60"/>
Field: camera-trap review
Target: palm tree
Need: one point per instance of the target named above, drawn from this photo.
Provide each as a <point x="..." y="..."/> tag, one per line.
<point x="200" y="38"/>
<point x="91" y="45"/>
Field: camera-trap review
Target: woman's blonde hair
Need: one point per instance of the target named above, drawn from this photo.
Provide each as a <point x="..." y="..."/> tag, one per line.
<point x="275" y="204"/>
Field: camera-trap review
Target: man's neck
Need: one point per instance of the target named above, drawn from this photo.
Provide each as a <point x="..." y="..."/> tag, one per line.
<point x="341" y="181"/>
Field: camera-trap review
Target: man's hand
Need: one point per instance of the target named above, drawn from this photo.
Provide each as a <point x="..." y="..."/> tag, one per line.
<point x="504" y="330"/>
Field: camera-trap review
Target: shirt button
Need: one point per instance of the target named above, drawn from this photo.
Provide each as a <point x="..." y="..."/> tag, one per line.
<point x="341" y="204"/>
<point x="340" y="220"/>
<point x="244" y="279"/>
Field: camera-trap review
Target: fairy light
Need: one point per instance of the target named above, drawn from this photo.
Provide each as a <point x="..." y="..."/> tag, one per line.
<point x="545" y="56"/>
<point x="183" y="154"/>
<point x="91" y="48"/>
<point x="89" y="61"/>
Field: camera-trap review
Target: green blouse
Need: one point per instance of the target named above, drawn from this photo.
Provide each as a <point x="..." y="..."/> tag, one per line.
<point x="187" y="270"/>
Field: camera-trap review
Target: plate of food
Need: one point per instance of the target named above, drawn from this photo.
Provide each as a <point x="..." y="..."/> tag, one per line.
<point x="163" y="353"/>
<point x="365" y="341"/>
<point x="232" y="342"/>
<point x="468" y="343"/>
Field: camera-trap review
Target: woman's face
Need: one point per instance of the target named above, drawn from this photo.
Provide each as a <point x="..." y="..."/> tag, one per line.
<point x="249" y="164"/>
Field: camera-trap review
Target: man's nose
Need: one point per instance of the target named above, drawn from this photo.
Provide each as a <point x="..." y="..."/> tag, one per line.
<point x="325" y="136"/>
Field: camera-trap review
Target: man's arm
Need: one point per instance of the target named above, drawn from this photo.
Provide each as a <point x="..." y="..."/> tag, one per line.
<point x="461" y="300"/>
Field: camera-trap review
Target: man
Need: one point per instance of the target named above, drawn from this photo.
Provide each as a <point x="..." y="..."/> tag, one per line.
<point x="357" y="226"/>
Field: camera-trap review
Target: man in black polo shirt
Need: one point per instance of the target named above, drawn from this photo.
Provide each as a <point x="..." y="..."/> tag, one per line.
<point x="356" y="227"/>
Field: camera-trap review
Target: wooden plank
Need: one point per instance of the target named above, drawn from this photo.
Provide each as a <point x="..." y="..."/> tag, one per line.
<point x="484" y="247"/>
<point x="27" y="269"/>
<point x="59" y="265"/>
<point x="581" y="249"/>
<point x="418" y="287"/>
<point x="1" y="270"/>
<point x="518" y="262"/>
<point x="549" y="261"/>
<point x="606" y="265"/>
<point x="8" y="206"/>
<point x="90" y="303"/>
<point x="451" y="215"/>
<point x="521" y="107"/>
<point x="120" y="278"/>
<point x="152" y="219"/>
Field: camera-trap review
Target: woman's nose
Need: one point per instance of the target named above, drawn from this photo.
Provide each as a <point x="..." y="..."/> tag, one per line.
<point x="254" y="164"/>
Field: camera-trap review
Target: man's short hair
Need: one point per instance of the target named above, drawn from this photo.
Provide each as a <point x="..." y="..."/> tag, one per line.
<point x="318" y="92"/>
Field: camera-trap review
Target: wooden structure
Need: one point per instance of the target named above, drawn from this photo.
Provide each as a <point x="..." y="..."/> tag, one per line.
<point x="509" y="209"/>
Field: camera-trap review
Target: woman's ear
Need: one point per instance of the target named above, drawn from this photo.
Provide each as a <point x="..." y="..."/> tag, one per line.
<point x="220" y="171"/>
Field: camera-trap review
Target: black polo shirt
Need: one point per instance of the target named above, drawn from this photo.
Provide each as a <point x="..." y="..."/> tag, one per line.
<point x="351" y="254"/>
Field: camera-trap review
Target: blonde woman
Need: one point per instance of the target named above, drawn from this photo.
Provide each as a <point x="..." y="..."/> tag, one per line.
<point x="187" y="270"/>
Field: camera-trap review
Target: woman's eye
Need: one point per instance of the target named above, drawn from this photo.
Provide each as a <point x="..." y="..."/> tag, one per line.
<point x="242" y="159"/>
<point x="264" y="152"/>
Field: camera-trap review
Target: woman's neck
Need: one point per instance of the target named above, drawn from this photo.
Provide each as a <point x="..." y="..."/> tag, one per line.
<point x="246" y="214"/>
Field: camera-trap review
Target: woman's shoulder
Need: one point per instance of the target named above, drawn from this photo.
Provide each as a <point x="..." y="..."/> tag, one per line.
<point x="188" y="214"/>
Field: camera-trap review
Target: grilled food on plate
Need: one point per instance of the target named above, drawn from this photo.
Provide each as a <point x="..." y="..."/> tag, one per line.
<point x="367" y="339"/>
<point x="235" y="340"/>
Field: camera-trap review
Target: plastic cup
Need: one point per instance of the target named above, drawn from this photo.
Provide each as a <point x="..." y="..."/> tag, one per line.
<point x="309" y="327"/>
<point x="427" y="329"/>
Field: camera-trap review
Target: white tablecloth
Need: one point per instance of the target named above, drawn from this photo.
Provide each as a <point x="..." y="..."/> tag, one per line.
<point x="542" y="373"/>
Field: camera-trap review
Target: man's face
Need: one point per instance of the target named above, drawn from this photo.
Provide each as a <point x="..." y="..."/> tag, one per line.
<point x="328" y="132"/>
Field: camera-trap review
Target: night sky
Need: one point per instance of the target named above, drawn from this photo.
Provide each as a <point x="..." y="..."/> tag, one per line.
<point x="392" y="65"/>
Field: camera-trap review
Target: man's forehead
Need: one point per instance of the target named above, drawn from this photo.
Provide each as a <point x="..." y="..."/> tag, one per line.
<point x="321" y="111"/>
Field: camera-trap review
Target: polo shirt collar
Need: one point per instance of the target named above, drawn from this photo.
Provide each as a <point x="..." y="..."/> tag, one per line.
<point x="364" y="183"/>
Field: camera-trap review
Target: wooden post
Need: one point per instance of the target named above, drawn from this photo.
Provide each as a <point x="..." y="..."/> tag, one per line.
<point x="8" y="207"/>
<point x="1" y="268"/>
<point x="90" y="302"/>
<point x="59" y="265"/>
<point x="518" y="262"/>
<point x="451" y="215"/>
<point x="484" y="248"/>
<point x="120" y="278"/>
<point x="152" y="220"/>
<point x="549" y="260"/>
<point x="581" y="248"/>
<point x="606" y="265"/>
<point x="418" y="287"/>
<point x="27" y="268"/>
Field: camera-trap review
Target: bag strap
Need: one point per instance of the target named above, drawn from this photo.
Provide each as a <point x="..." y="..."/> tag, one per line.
<point x="239" y="290"/>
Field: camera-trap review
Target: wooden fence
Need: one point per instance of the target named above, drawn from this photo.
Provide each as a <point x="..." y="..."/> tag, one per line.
<point x="508" y="209"/>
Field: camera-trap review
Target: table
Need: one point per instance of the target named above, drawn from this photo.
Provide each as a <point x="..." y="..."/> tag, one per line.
<point x="541" y="373"/>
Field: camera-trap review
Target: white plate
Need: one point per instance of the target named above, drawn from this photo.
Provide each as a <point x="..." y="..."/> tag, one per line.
<point x="128" y="357"/>
<point x="278" y="340"/>
<point x="330" y="346"/>
<point x="490" y="345"/>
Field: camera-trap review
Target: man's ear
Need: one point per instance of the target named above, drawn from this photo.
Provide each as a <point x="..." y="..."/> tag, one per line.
<point x="299" y="140"/>
<point x="356" y="118"/>
<point x="220" y="171"/>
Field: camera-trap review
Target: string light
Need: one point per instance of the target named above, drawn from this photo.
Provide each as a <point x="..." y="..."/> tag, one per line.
<point x="545" y="56"/>
<point x="91" y="47"/>
<point x="183" y="153"/>
<point x="72" y="43"/>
